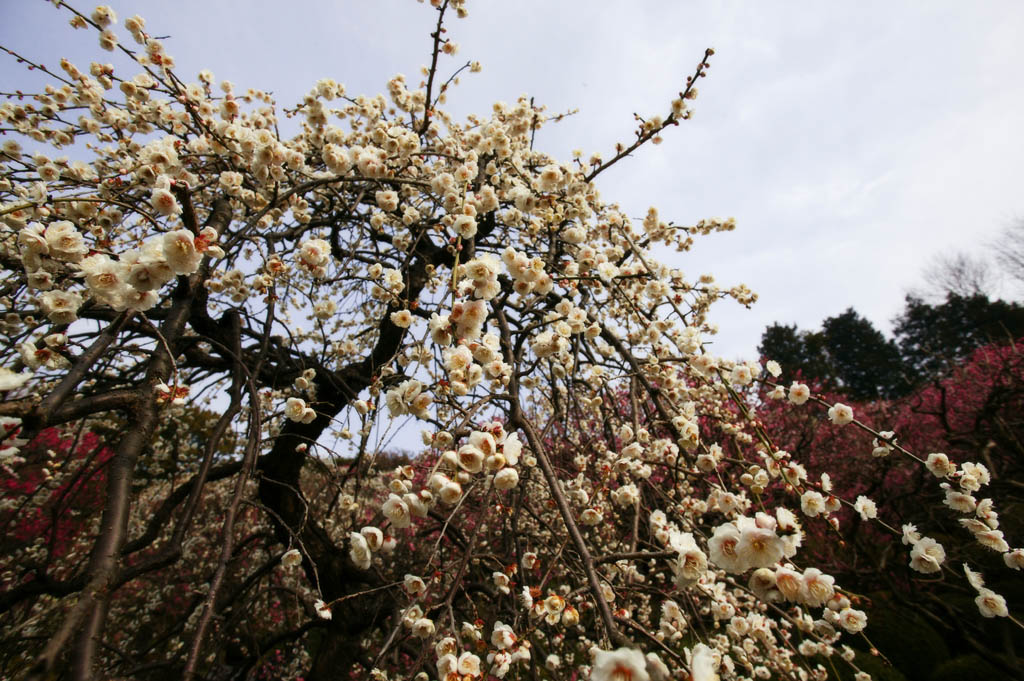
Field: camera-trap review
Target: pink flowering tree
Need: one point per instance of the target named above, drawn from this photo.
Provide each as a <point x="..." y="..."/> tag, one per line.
<point x="971" y="413"/>
<point x="246" y="317"/>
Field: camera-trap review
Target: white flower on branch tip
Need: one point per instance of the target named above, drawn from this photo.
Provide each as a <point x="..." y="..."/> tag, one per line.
<point x="607" y="271"/>
<point x="501" y="581"/>
<point x="992" y="539"/>
<point x="763" y="584"/>
<point x="148" y="266"/>
<point x="401" y="318"/>
<point x="883" y="445"/>
<point x="387" y="200"/>
<point x="789" y="583"/>
<point x="323" y="610"/>
<point x="973" y="476"/>
<point x="423" y="628"/>
<point x="468" y="664"/>
<point x="758" y="546"/>
<point x="104" y="16"/>
<point x="414" y="585"/>
<point x="526" y="598"/>
<point x="500" y="662"/>
<point x="450" y="493"/>
<point x="102" y="273"/>
<point x="295" y="408"/>
<point x="959" y="501"/>
<point x="865" y="507"/>
<point x="511" y="447"/>
<point x="740" y="375"/>
<point x="625" y="495"/>
<point x="722" y="549"/>
<point x="464" y="226"/>
<point x="840" y="414"/>
<point x="852" y="620"/>
<point x="471" y="458"/>
<point x="314" y="253"/>
<point x="991" y="604"/>
<point x="910" y="534"/>
<point x="973" y="578"/>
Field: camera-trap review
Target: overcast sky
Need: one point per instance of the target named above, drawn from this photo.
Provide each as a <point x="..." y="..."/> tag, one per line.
<point x="852" y="143"/>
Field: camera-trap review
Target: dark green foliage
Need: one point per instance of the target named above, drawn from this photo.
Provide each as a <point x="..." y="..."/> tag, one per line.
<point x="796" y="350"/>
<point x="851" y="356"/>
<point x="866" y="364"/>
<point x="933" y="338"/>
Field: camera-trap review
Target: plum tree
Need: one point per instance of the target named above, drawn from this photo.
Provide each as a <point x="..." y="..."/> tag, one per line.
<point x="387" y="266"/>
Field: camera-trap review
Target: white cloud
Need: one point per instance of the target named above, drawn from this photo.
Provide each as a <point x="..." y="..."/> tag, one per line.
<point x="850" y="141"/>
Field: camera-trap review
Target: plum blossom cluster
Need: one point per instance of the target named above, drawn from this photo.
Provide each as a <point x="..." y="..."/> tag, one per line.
<point x="927" y="556"/>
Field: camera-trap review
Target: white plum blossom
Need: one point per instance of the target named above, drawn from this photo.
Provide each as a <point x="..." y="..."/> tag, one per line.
<point x="866" y="508"/>
<point x="927" y="555"/>
<point x="991" y="604"/>
<point x="812" y="503"/>
<point x="799" y="393"/>
<point x="397" y="511"/>
<point x="322" y="609"/>
<point x="615" y="665"/>
<point x="10" y="380"/>
<point x="181" y="253"/>
<point x="852" y="620"/>
<point x="939" y="465"/>
<point x="65" y="242"/>
<point x="506" y="479"/>
<point x="164" y="202"/>
<point x="61" y="307"/>
<point x="359" y="550"/>
<point x="840" y="414"/>
<point x="704" y="663"/>
<point x="722" y="549"/>
<point x="692" y="563"/>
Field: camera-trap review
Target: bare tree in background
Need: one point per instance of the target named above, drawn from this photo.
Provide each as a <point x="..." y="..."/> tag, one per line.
<point x="964" y="275"/>
<point x="1008" y="249"/>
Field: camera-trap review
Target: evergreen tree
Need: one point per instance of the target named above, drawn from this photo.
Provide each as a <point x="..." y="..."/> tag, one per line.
<point x="848" y="354"/>
<point x="933" y="337"/>
<point x="866" y="364"/>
